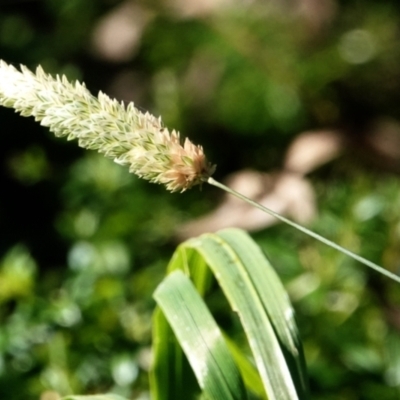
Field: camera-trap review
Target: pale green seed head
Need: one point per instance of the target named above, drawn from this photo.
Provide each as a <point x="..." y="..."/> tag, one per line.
<point x="125" y="134"/>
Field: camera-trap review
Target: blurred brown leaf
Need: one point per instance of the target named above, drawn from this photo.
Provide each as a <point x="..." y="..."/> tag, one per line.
<point x="117" y="36"/>
<point x="283" y="192"/>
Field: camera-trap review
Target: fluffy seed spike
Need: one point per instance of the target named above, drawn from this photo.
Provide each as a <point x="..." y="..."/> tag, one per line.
<point x="125" y="134"/>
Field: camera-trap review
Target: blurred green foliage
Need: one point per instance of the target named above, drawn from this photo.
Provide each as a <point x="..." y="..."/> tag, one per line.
<point x="84" y="244"/>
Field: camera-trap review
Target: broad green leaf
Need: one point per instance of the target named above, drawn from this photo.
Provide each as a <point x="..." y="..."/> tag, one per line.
<point x="273" y="297"/>
<point x="171" y="376"/>
<point x="249" y="372"/>
<point x="244" y="299"/>
<point x="269" y="287"/>
<point x="188" y="260"/>
<point x="200" y="338"/>
<point x="109" y="396"/>
<point x="255" y="293"/>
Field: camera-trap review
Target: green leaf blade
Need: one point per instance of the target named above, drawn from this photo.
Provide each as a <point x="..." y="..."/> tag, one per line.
<point x="273" y="297"/>
<point x="109" y="396"/>
<point x="244" y="299"/>
<point x="256" y="294"/>
<point x="171" y="376"/>
<point x="200" y="338"/>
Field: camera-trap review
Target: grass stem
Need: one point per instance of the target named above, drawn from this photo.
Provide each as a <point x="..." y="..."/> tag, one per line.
<point x="308" y="232"/>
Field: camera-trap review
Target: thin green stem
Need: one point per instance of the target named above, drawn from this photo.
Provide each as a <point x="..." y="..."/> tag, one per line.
<point x="362" y="260"/>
